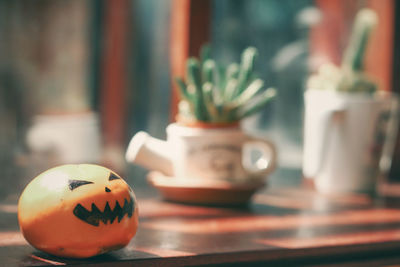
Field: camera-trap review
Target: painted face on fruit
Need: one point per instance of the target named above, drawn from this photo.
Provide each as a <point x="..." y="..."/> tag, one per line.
<point x="94" y="197"/>
<point x="116" y="207"/>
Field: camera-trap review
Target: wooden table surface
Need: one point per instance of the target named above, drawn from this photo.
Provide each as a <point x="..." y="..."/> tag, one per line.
<point x="285" y="226"/>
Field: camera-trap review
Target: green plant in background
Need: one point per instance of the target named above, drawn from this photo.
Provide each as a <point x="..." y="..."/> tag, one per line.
<point x="350" y="77"/>
<point x="212" y="93"/>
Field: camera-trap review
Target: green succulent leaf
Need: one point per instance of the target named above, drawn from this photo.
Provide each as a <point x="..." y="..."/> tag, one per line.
<point x="246" y="68"/>
<point x="252" y="90"/>
<point x="194" y="78"/>
<point x="230" y="90"/>
<point x="209" y="71"/>
<point x="232" y="72"/>
<point x="183" y="89"/>
<point x="258" y="103"/>
<point x="209" y="99"/>
<point x="354" y="55"/>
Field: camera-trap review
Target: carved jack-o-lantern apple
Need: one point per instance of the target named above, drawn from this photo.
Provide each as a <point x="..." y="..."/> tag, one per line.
<point x="78" y="211"/>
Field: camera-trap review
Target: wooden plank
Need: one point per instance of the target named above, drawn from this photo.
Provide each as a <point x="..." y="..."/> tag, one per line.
<point x="190" y="29"/>
<point x="326" y="36"/>
<point x="395" y="170"/>
<point x="113" y="91"/>
<point x="379" y="60"/>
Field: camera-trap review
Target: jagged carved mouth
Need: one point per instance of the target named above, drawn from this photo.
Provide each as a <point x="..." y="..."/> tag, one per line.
<point x="94" y="216"/>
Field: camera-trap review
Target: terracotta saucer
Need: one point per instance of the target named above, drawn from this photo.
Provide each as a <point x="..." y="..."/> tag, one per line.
<point x="208" y="193"/>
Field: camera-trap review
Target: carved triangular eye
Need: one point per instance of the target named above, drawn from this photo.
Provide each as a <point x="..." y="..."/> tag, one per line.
<point x="113" y="177"/>
<point x="72" y="184"/>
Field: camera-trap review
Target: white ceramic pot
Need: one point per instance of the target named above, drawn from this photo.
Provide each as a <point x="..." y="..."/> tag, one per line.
<point x="348" y="139"/>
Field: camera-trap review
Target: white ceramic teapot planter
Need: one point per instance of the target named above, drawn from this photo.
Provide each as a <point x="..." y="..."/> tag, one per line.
<point x="204" y="157"/>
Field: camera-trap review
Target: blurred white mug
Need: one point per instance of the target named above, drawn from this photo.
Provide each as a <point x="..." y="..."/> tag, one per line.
<point x="349" y="139"/>
<point x="69" y="138"/>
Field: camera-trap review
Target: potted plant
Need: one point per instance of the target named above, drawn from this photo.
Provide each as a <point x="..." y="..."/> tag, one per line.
<point x="348" y="121"/>
<point x="207" y="157"/>
<point x="213" y="96"/>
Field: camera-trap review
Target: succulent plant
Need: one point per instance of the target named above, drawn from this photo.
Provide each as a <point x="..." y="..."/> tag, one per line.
<point x="350" y="76"/>
<point x="215" y="94"/>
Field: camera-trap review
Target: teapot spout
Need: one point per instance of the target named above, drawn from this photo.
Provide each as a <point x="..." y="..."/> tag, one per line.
<point x="150" y="153"/>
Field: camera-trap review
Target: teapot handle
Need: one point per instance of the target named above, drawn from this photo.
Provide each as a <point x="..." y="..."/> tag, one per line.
<point x="317" y="128"/>
<point x="266" y="163"/>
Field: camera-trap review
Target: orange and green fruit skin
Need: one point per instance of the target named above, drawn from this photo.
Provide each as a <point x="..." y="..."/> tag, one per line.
<point x="78" y="211"/>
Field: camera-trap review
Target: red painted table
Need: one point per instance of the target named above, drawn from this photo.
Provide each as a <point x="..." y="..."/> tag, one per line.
<point x="286" y="226"/>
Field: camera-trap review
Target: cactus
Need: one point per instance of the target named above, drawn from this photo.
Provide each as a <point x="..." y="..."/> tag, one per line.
<point x="350" y="77"/>
<point x="213" y="94"/>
